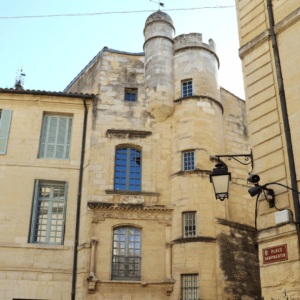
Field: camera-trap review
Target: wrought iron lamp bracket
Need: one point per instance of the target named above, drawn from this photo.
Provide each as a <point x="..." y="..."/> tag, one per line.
<point x="248" y="159"/>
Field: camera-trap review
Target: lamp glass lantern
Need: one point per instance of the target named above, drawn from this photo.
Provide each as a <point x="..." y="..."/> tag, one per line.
<point x="220" y="179"/>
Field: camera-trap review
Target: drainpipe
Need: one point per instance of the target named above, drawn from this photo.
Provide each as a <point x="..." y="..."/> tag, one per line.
<point x="285" y="120"/>
<point x="78" y="204"/>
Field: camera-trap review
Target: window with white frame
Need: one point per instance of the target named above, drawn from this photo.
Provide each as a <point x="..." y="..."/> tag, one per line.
<point x="5" y="119"/>
<point x="126" y="258"/>
<point x="48" y="212"/>
<point x="189" y="220"/>
<point x="190" y="287"/>
<point x="187" y="88"/>
<point x="188" y="161"/>
<point x="56" y="137"/>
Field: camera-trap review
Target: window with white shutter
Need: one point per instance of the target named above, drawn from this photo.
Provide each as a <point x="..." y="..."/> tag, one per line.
<point x="5" y="118"/>
<point x="56" y="137"/>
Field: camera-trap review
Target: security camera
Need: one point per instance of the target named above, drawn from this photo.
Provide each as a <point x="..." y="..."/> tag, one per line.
<point x="255" y="190"/>
<point x="254" y="179"/>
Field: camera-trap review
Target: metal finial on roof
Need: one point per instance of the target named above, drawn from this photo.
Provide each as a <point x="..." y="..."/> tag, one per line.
<point x="159" y="4"/>
<point x="19" y="82"/>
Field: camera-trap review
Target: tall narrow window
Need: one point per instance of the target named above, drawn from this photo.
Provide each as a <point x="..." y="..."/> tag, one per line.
<point x="187" y="88"/>
<point x="56" y="137"/>
<point x="189" y="224"/>
<point x="131" y="95"/>
<point x="128" y="169"/>
<point x="5" y="118"/>
<point x="48" y="215"/>
<point x="126" y="258"/>
<point x="188" y="161"/>
<point x="190" y="287"/>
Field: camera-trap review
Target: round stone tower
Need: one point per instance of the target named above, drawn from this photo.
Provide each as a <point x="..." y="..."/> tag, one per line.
<point x="159" y="75"/>
<point x="197" y="131"/>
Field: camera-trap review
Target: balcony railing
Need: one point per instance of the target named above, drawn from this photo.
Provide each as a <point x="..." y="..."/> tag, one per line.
<point x="126" y="268"/>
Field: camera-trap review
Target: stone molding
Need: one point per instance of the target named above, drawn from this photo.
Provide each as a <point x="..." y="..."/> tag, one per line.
<point x="206" y="239"/>
<point x="234" y="224"/>
<point x="127" y="133"/>
<point x="281" y="26"/>
<point x="159" y="21"/>
<point x="179" y="100"/>
<point x="192" y="172"/>
<point x="183" y="49"/>
<point x="157" y="36"/>
<point x="140" y="213"/>
<point x="34" y="246"/>
<point x="131" y="193"/>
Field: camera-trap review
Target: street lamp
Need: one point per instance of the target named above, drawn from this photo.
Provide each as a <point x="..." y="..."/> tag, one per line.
<point x="220" y="179"/>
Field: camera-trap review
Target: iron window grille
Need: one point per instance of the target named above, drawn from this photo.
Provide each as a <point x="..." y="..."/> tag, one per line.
<point x="190" y="287"/>
<point x="128" y="167"/>
<point x="187" y="88"/>
<point x="189" y="224"/>
<point x="131" y="95"/>
<point x="48" y="215"/>
<point x="126" y="258"/>
<point x="188" y="161"/>
<point x="56" y="137"/>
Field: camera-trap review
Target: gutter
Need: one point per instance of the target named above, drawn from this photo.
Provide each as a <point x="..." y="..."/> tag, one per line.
<point x="78" y="203"/>
<point x="285" y="121"/>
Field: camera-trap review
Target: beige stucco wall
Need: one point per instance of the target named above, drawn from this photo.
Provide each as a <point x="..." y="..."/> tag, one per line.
<point x="267" y="136"/>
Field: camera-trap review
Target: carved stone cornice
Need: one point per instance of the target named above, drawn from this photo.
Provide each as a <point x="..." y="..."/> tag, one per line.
<point x="144" y="213"/>
<point x="127" y="133"/>
<point x="187" y="173"/>
<point x="117" y="283"/>
<point x="206" y="239"/>
<point x="131" y="193"/>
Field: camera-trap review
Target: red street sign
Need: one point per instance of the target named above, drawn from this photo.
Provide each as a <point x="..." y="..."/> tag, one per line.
<point x="274" y="254"/>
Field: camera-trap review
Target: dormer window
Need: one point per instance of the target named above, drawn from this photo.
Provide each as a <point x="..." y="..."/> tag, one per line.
<point x="187" y="88"/>
<point x="131" y="95"/>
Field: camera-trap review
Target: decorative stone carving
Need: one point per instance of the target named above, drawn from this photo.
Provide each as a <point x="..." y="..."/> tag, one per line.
<point x="132" y="199"/>
<point x="110" y="198"/>
<point x="153" y="200"/>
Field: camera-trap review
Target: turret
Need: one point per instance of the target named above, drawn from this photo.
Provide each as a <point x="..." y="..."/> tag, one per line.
<point x="159" y="75"/>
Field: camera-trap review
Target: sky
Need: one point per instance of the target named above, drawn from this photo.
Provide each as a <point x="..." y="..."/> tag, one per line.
<point x="52" y="51"/>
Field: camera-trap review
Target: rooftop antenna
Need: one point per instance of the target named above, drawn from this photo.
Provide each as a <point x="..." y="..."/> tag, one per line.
<point x="19" y="82"/>
<point x="159" y="4"/>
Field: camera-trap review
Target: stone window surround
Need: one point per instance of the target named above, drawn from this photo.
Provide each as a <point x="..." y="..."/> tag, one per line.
<point x="131" y="90"/>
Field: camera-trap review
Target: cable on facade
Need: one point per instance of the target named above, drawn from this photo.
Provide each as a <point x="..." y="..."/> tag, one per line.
<point x="112" y="12"/>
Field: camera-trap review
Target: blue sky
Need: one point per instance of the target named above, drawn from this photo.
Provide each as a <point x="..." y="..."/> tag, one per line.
<point x="53" y="51"/>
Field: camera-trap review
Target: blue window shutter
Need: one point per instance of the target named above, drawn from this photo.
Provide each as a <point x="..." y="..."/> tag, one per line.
<point x="4" y="129"/>
<point x="34" y="209"/>
<point x="56" y="137"/>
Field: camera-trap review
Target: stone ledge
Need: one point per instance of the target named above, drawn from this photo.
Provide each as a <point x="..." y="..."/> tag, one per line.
<point x="132" y="193"/>
<point x="179" y="100"/>
<point x="34" y="246"/>
<point x="234" y="224"/>
<point x="127" y="133"/>
<point x="207" y="239"/>
<point x="197" y="171"/>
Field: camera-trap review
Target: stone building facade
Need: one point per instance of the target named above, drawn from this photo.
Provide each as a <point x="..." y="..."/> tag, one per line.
<point x="150" y="226"/>
<point x="267" y="130"/>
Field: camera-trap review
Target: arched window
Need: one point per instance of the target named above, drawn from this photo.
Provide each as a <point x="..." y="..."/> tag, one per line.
<point x="128" y="169"/>
<point x="126" y="257"/>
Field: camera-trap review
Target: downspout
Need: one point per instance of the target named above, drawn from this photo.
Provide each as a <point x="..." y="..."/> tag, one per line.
<point x="78" y="203"/>
<point x="285" y="120"/>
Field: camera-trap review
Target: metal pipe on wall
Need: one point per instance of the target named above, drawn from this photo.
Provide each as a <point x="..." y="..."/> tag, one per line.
<point x="285" y="120"/>
<point x="78" y="203"/>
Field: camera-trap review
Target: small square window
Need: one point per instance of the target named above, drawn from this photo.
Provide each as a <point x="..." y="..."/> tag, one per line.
<point x="131" y="95"/>
<point x="189" y="224"/>
<point x="188" y="161"/>
<point x="187" y="88"/>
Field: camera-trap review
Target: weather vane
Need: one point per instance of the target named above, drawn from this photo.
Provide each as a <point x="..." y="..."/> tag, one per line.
<point x="159" y="4"/>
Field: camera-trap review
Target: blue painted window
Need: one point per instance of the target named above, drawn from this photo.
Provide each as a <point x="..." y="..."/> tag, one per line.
<point x="131" y="95"/>
<point x="187" y="88"/>
<point x="48" y="215"/>
<point x="188" y="161"/>
<point x="128" y="169"/>
<point x="56" y="137"/>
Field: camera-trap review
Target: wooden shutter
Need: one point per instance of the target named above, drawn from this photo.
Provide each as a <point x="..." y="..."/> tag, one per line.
<point x="34" y="209"/>
<point x="4" y="129"/>
<point x="64" y="214"/>
<point x="56" y="137"/>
